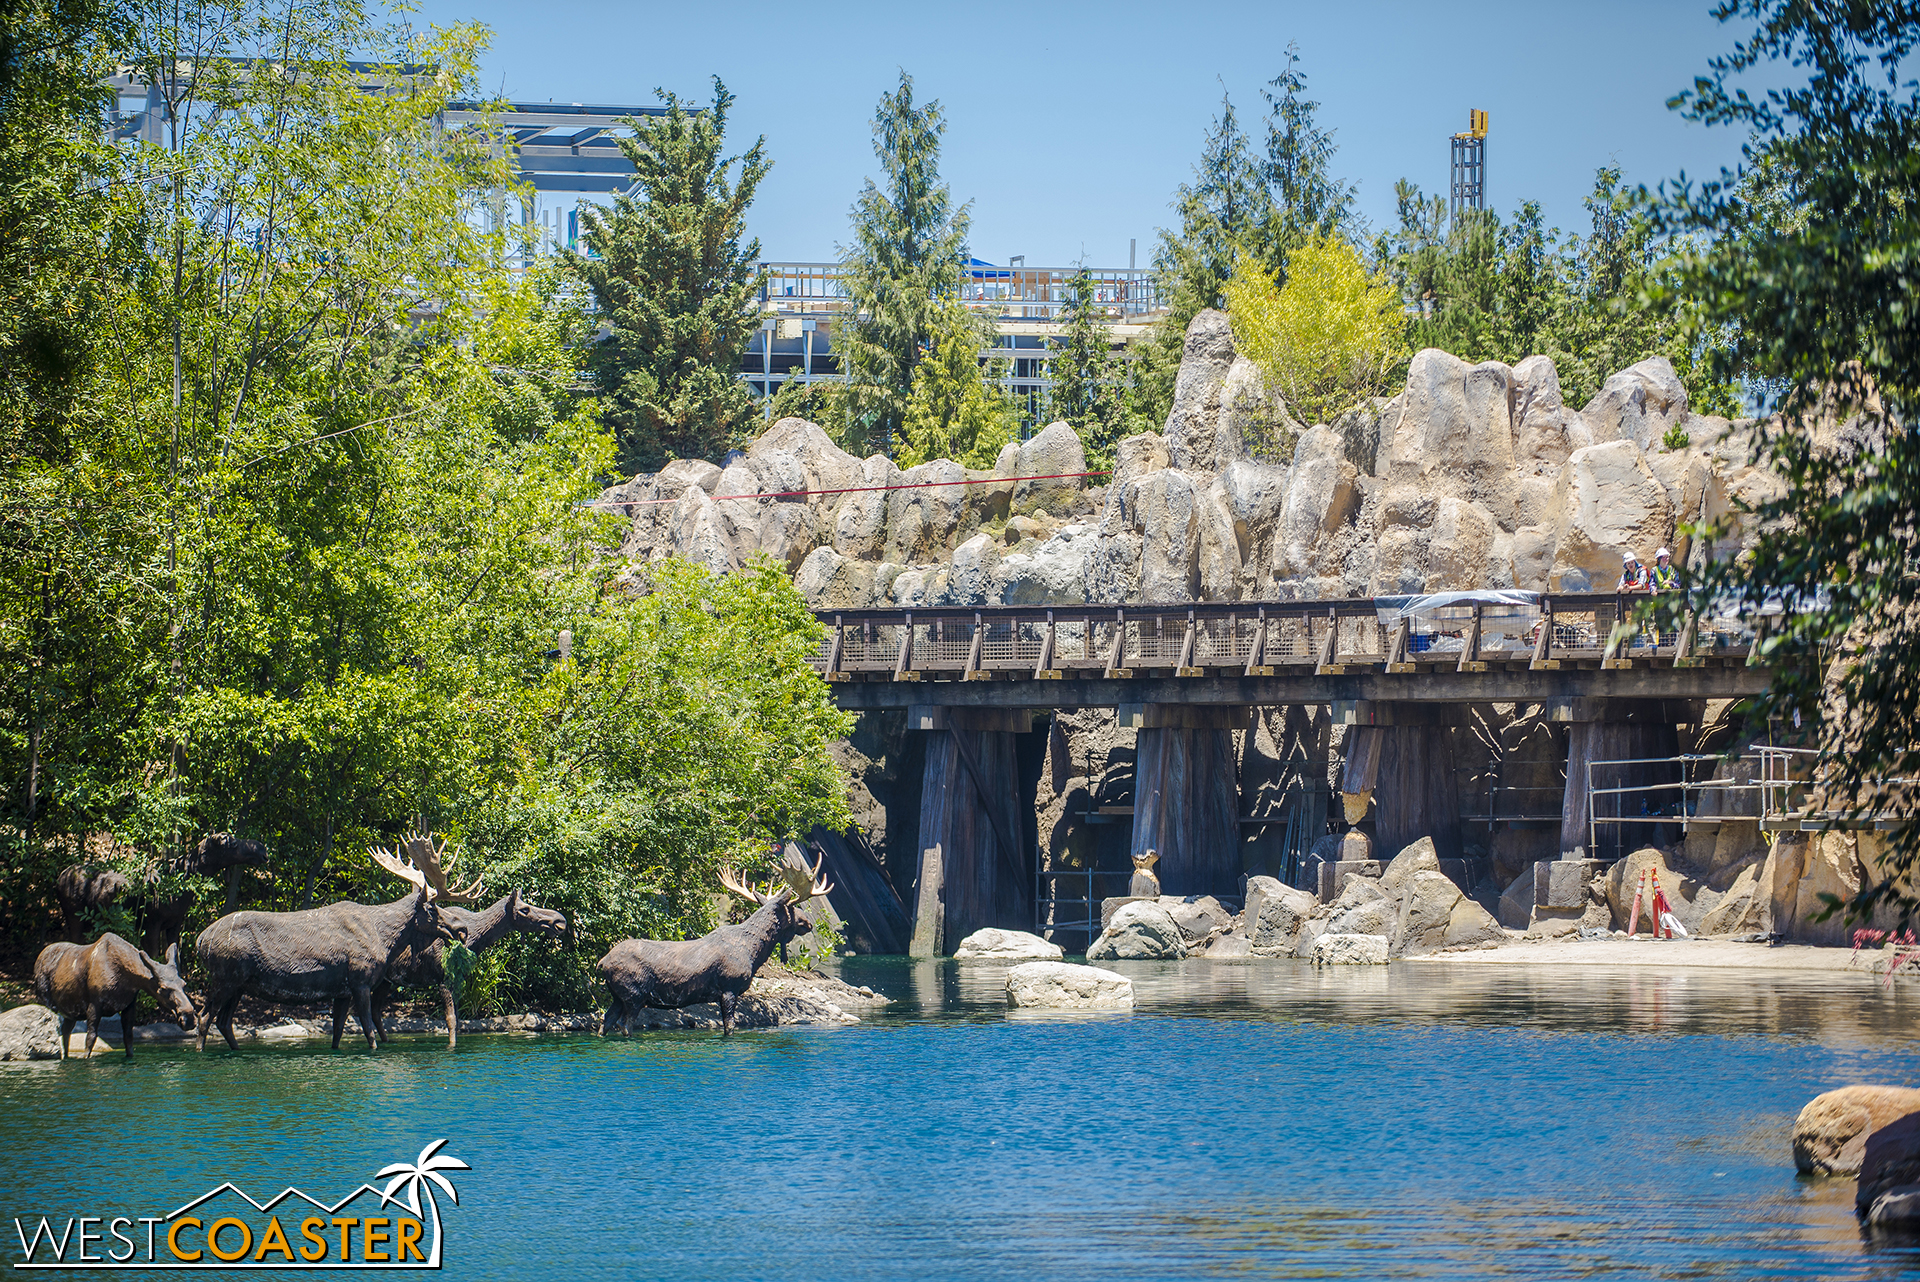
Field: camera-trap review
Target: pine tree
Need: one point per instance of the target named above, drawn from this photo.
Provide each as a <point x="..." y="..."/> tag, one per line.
<point x="955" y="411"/>
<point x="1089" y="381"/>
<point x="673" y="278"/>
<point x="1242" y="201"/>
<point x="909" y="242"/>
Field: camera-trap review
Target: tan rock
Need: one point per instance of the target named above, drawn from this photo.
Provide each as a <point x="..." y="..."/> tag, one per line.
<point x="1462" y="548"/>
<point x="1420" y="856"/>
<point x="1610" y="503"/>
<point x="921" y="523"/>
<point x="1055" y="451"/>
<point x="1320" y="497"/>
<point x="1199" y="436"/>
<point x="860" y="522"/>
<point x="1638" y="404"/>
<point x="1680" y="889"/>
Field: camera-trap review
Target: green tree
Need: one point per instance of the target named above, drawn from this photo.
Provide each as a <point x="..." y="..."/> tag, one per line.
<point x="1090" y="381"/>
<point x="1806" y="276"/>
<point x="1327" y="339"/>
<point x="1241" y="202"/>
<point x="956" y="410"/>
<point x="909" y="241"/>
<point x="674" y="278"/>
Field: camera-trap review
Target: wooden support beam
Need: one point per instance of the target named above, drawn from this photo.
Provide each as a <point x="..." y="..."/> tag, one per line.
<point x="973" y="671"/>
<point x="1543" y="660"/>
<point x="903" y="666"/>
<point x="1470" y="648"/>
<point x="1328" y="665"/>
<point x="1683" y="651"/>
<point x="1043" y="670"/>
<point x="1185" y="668"/>
<point x="1119" y="650"/>
<point x="839" y="647"/>
<point x="1397" y="648"/>
<point x="1257" y="652"/>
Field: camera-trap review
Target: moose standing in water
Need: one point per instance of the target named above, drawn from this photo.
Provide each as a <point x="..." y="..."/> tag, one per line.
<point x="88" y="981"/>
<point x="421" y="855"/>
<point x="312" y="956"/>
<point x="718" y="966"/>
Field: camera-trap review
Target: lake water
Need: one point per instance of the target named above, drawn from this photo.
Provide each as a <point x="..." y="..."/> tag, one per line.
<point x="1265" y="1120"/>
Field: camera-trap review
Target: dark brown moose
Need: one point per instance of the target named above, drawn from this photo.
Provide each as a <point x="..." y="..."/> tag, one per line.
<point x="90" y="981"/>
<point x="312" y="957"/>
<point x="717" y="967"/>
<point x="426" y="964"/>
<point x="82" y="888"/>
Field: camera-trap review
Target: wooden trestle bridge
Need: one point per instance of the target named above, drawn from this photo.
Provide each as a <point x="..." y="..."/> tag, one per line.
<point x="1186" y="675"/>
<point x="1273" y="653"/>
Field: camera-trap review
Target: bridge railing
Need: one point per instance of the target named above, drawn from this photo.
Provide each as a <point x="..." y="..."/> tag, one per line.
<point x="1191" y="639"/>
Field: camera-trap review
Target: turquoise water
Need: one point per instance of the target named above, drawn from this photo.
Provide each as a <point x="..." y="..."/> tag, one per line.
<point x="1255" y="1120"/>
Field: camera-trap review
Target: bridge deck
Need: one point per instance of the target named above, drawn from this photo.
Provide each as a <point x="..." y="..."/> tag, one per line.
<point x="1276" y="653"/>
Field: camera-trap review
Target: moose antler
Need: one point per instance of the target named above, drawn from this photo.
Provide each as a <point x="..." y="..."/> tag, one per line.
<point x="733" y="883"/>
<point x="430" y="853"/>
<point x="423" y="862"/>
<point x="807" y="884"/>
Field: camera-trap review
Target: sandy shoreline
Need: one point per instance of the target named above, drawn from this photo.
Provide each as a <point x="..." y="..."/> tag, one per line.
<point x="1673" y="953"/>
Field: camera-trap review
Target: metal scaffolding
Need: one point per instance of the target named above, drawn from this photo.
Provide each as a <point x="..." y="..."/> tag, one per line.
<point x="1468" y="187"/>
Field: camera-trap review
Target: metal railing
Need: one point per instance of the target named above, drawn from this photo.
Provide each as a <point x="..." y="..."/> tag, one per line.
<point x="1019" y="293"/>
<point x="1798" y="794"/>
<point x="1674" y="801"/>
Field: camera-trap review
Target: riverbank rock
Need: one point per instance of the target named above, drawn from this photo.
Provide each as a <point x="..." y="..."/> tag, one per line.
<point x="1064" y="986"/>
<point x="1141" y="931"/>
<point x="29" y="1032"/>
<point x="1830" y="1135"/>
<point x="1276" y="917"/>
<point x="1006" y="945"/>
<point x="1349" y="950"/>
<point x="1889" y="1189"/>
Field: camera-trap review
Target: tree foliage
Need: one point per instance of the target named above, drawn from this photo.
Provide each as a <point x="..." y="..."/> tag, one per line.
<point x="957" y="410"/>
<point x="909" y="241"/>
<point x="293" y="532"/>
<point x="1247" y="198"/>
<point x="1802" y="270"/>
<point x="1327" y="339"/>
<point x="1093" y="385"/>
<point x="675" y="279"/>
<point x="1487" y="290"/>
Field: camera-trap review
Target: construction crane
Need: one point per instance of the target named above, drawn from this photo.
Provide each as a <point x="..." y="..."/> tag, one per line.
<point x="1468" y="189"/>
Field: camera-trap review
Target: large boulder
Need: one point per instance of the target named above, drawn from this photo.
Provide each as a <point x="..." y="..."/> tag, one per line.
<point x="1055" y="572"/>
<point x="921" y="522"/>
<point x="1610" y="503"/>
<point x="1830" y="1135"/>
<point x="1199" y="917"/>
<point x="1054" y="452"/>
<point x="993" y="944"/>
<point x="1320" y="496"/>
<point x="1276" y="918"/>
<point x="29" y="1032"/>
<point x="1639" y="404"/>
<point x="1889" y="1188"/>
<point x="1349" y="950"/>
<point x="860" y="525"/>
<point x="1362" y="908"/>
<point x="1417" y="857"/>
<point x="1063" y="986"/>
<point x="1199" y="436"/>
<point x="1455" y="434"/>
<point x="653" y="495"/>
<point x="1141" y="931"/>
<point x="829" y="581"/>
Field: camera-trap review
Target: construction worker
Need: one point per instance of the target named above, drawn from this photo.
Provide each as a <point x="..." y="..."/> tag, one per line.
<point x="1665" y="578"/>
<point x="1633" y="575"/>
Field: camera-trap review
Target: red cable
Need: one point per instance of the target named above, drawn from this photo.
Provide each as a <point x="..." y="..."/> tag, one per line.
<point x="862" y="489"/>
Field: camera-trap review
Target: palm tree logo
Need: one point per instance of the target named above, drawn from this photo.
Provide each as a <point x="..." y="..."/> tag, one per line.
<point x="420" y="1176"/>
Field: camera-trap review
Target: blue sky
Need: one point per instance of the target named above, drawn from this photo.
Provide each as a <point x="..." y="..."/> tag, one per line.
<point x="1070" y="125"/>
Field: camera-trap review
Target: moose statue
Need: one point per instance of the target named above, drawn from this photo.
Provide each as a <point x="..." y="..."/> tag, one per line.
<point x="88" y="887"/>
<point x="718" y="966"/>
<point x="313" y="956"/>
<point x="88" y="981"/>
<point x="422" y="855"/>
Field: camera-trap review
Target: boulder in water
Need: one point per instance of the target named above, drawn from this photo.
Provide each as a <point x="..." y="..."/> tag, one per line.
<point x="1141" y="931"/>
<point x="29" y="1032"/>
<point x="1350" y="950"/>
<point x="993" y="944"/>
<point x="1830" y="1135"/>
<point x="1064" y="986"/>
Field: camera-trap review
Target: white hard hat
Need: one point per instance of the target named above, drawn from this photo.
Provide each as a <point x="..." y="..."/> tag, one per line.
<point x="1662" y="552"/>
<point x="1629" y="559"/>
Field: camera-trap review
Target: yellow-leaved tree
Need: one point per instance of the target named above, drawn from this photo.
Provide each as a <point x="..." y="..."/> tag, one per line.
<point x="1327" y="339"/>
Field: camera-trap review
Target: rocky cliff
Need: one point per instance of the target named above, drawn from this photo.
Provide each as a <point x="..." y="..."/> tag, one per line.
<point x="1474" y="476"/>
